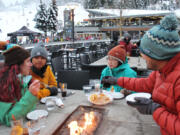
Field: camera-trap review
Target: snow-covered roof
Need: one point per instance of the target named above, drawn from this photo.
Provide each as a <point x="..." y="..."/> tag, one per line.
<point x="177" y="12"/>
<point x="128" y="12"/>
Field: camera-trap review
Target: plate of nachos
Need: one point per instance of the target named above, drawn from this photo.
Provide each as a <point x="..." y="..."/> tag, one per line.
<point x="100" y="98"/>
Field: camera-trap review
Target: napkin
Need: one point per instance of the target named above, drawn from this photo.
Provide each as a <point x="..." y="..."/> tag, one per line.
<point x="59" y="102"/>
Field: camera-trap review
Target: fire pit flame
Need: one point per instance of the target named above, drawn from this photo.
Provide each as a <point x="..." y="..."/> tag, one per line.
<point x="75" y="129"/>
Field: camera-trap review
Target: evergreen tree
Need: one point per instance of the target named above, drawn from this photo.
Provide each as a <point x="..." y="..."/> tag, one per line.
<point x="52" y="17"/>
<point x="41" y="18"/>
<point x="92" y="4"/>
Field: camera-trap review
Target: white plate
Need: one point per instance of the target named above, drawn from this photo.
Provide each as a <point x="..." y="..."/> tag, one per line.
<point x="43" y="100"/>
<point x="115" y="95"/>
<point x="132" y="96"/>
<point x="108" y="95"/>
<point x="35" y="115"/>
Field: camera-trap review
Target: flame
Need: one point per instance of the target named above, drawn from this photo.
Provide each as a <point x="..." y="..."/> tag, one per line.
<point x="75" y="129"/>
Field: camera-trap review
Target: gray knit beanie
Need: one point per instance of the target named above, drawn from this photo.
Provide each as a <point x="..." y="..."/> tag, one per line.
<point x="39" y="51"/>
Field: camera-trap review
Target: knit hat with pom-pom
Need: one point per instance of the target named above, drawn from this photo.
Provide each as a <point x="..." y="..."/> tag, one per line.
<point x="162" y="42"/>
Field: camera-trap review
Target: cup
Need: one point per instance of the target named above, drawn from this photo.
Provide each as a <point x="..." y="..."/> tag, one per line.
<point x="97" y="86"/>
<point x="63" y="86"/>
<point x="50" y="104"/>
<point x="87" y="89"/>
<point x="33" y="127"/>
<point x="17" y="127"/>
<point x="64" y="93"/>
<point x="92" y="83"/>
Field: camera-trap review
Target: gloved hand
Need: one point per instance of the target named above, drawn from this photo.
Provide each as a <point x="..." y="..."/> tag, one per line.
<point x="144" y="105"/>
<point x="53" y="91"/>
<point x="107" y="81"/>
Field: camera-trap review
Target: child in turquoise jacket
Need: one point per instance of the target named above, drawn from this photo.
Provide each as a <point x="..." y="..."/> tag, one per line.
<point x="117" y="67"/>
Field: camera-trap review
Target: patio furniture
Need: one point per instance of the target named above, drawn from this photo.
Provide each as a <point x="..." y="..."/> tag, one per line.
<point x="118" y="119"/>
<point x="74" y="79"/>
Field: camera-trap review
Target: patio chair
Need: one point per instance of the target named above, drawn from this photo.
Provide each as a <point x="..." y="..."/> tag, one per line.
<point x="74" y="79"/>
<point x="57" y="61"/>
<point x="92" y="57"/>
<point x="94" y="70"/>
<point x="84" y="59"/>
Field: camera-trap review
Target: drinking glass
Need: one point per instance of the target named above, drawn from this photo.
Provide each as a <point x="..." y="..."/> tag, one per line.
<point x="92" y="83"/>
<point x="97" y="86"/>
<point x="87" y="89"/>
<point x="50" y="104"/>
<point x="17" y="127"/>
<point x="95" y="83"/>
<point x="33" y="127"/>
<point x="63" y="87"/>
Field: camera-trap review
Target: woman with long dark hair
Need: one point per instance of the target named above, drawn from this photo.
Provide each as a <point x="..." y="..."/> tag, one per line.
<point x="18" y="90"/>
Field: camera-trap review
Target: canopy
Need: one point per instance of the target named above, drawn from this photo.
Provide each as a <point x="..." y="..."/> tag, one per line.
<point x="24" y="31"/>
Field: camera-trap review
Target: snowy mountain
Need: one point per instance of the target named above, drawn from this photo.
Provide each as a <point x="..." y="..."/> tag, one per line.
<point x="13" y="18"/>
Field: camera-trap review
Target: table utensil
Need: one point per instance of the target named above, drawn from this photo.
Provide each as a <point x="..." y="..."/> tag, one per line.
<point x="87" y="89"/>
<point x="16" y="126"/>
<point x="50" y="104"/>
<point x="132" y="96"/>
<point x="115" y="95"/>
<point x="45" y="85"/>
<point x="58" y="100"/>
<point x="36" y="114"/>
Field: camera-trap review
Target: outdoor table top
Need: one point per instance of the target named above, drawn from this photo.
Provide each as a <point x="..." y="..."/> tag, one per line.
<point x="138" y="62"/>
<point x="121" y="119"/>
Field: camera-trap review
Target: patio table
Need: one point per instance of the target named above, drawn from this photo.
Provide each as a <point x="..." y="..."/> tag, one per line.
<point x="120" y="118"/>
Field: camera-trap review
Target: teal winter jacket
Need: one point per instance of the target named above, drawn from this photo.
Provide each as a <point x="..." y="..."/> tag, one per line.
<point x="121" y="71"/>
<point x="26" y="104"/>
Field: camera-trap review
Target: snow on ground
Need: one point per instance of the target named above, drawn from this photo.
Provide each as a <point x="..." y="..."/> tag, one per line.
<point x="15" y="17"/>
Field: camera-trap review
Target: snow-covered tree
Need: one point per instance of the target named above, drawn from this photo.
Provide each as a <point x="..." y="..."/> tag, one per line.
<point x="41" y="18"/>
<point x="52" y="17"/>
<point x="91" y="4"/>
<point x="131" y="4"/>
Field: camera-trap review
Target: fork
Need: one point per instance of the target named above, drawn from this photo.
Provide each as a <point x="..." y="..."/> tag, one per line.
<point x="44" y="84"/>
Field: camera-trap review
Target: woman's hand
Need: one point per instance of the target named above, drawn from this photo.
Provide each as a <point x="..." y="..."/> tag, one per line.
<point x="34" y="87"/>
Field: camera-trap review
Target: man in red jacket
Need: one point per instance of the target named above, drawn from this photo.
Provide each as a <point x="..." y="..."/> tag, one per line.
<point x="160" y="47"/>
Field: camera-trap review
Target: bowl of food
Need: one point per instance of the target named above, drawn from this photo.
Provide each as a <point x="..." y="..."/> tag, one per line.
<point x="100" y="98"/>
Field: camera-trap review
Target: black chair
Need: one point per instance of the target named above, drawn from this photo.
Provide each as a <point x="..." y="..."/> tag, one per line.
<point x="92" y="57"/>
<point x="57" y="61"/>
<point x="74" y="79"/>
<point x="84" y="59"/>
<point x="94" y="70"/>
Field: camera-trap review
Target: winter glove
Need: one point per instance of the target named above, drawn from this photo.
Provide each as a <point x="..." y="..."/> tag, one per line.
<point x="107" y="81"/>
<point x="53" y="91"/>
<point x="144" y="105"/>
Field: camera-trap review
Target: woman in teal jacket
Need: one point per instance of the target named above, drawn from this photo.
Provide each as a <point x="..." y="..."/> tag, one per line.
<point x="18" y="91"/>
<point x="117" y="67"/>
